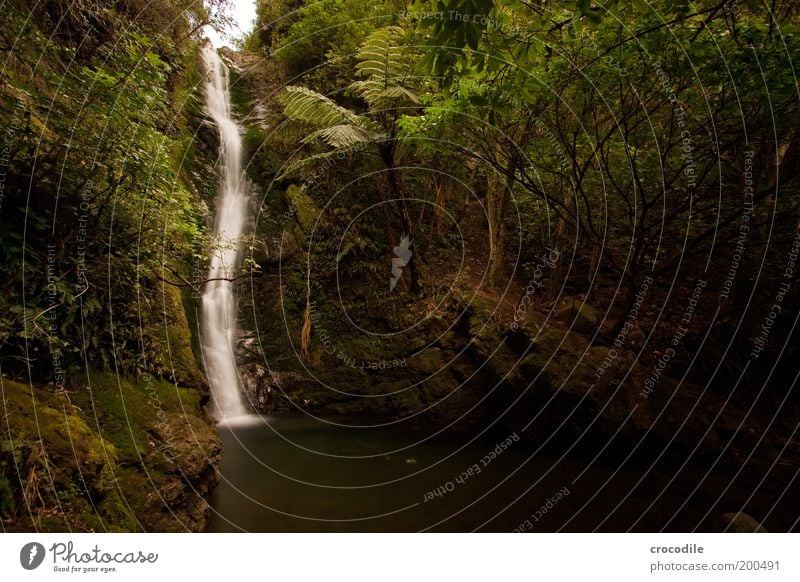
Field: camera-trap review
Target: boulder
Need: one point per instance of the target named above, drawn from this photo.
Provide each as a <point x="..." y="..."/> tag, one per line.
<point x="739" y="522"/>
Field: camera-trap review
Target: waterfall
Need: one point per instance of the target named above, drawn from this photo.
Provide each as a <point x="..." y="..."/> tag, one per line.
<point x="218" y="315"/>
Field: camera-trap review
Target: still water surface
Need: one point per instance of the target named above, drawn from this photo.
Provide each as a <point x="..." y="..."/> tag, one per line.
<point x="294" y="474"/>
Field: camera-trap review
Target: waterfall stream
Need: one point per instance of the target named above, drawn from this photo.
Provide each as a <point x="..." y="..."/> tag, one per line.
<point x="218" y="315"/>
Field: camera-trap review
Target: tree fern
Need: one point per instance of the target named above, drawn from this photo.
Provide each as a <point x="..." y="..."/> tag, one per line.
<point x="396" y="92"/>
<point x="385" y="69"/>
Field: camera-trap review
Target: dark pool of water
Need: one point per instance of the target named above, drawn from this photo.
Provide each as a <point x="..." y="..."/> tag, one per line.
<point x="301" y="475"/>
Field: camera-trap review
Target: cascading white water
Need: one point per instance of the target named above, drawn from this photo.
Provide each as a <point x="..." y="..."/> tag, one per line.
<point x="218" y="330"/>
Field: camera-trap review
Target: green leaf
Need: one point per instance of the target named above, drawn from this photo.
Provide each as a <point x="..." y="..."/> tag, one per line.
<point x="314" y="108"/>
<point x="473" y="34"/>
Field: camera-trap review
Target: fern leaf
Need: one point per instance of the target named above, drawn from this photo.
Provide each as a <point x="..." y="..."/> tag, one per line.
<point x="382" y="62"/>
<point x="314" y="108"/>
<point x="343" y="136"/>
<point x="398" y="92"/>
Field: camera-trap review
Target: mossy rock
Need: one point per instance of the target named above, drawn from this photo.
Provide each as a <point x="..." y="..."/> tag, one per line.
<point x="305" y="211"/>
<point x="71" y="466"/>
<point x="100" y="452"/>
<point x="168" y="341"/>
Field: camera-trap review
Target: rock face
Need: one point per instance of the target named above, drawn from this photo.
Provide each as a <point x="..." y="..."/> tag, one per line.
<point x="269" y="392"/>
<point x="481" y="368"/>
<point x="738" y="523"/>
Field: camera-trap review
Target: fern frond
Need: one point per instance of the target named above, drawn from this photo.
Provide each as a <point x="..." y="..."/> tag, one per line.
<point x="314" y="108"/>
<point x="369" y="90"/>
<point x="398" y="92"/>
<point x="343" y="136"/>
<point x="383" y="63"/>
<point x="380" y="97"/>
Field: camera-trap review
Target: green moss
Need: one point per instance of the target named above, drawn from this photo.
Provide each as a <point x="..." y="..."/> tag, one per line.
<point x="305" y="210"/>
<point x="71" y="465"/>
<point x="190" y="309"/>
<point x="118" y="516"/>
<point x="240" y="99"/>
<point x="168" y="341"/>
<point x="85" y="448"/>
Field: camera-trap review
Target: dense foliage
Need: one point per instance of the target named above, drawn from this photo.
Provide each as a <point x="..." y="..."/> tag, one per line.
<point x="532" y="184"/>
<point x="653" y="141"/>
<point x="96" y="191"/>
<point x="102" y="188"/>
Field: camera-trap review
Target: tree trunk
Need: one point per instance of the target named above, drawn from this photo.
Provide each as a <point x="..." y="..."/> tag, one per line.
<point x="497" y="196"/>
<point x="439" y="206"/>
<point x="397" y="193"/>
<point x="556" y="279"/>
<point x="412" y="263"/>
